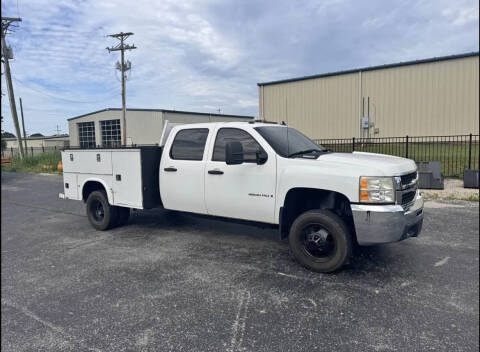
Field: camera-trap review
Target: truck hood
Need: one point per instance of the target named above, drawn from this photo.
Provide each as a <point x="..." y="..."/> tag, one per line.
<point x="371" y="164"/>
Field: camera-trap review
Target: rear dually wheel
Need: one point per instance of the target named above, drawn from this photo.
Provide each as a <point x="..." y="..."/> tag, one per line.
<point x="100" y="213"/>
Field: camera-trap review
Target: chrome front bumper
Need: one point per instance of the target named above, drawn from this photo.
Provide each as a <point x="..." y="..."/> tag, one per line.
<point x="376" y="224"/>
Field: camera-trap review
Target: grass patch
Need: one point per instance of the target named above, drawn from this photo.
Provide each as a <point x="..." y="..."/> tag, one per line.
<point x="472" y="198"/>
<point x="35" y="164"/>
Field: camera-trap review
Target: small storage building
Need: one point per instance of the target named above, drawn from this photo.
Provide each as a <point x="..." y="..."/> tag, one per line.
<point x="144" y="126"/>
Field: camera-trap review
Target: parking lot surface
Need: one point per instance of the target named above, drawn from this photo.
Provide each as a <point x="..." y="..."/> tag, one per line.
<point x="175" y="282"/>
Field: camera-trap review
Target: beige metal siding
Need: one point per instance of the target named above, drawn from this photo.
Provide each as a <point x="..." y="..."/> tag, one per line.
<point x="436" y="98"/>
<point x="35" y="143"/>
<point x="318" y="107"/>
<point x="143" y="127"/>
<point x="58" y="142"/>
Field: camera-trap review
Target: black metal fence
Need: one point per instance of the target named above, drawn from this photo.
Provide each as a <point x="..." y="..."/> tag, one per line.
<point x="30" y="151"/>
<point x="456" y="153"/>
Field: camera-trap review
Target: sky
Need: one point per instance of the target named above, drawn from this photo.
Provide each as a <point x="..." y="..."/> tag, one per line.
<point x="209" y="55"/>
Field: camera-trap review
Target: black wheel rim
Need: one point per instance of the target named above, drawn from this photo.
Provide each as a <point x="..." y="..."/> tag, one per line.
<point x="318" y="242"/>
<point x="97" y="210"/>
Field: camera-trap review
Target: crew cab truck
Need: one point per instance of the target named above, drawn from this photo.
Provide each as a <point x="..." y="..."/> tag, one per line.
<point x="324" y="202"/>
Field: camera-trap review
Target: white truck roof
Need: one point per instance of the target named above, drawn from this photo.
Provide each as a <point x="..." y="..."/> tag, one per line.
<point x="169" y="126"/>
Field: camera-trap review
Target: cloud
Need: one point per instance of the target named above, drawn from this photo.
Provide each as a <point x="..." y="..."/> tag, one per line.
<point x="208" y="55"/>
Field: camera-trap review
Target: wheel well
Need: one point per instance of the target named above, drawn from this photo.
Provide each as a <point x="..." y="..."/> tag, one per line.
<point x="300" y="200"/>
<point x="90" y="187"/>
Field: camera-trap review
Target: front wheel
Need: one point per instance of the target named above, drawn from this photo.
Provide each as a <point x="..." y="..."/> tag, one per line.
<point x="100" y="213"/>
<point x="320" y="241"/>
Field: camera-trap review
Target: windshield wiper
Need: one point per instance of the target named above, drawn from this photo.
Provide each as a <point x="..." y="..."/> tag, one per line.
<point x="306" y="151"/>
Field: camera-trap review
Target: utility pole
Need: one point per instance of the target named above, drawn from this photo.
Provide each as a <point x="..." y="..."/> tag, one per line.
<point x="58" y="130"/>
<point x="123" y="67"/>
<point x="23" y="125"/>
<point x="6" y="22"/>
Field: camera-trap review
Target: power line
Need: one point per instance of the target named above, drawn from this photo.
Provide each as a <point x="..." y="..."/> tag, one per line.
<point x="64" y="99"/>
<point x="123" y="67"/>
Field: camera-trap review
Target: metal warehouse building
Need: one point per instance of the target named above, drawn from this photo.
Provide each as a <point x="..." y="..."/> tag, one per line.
<point x="144" y="126"/>
<point x="57" y="141"/>
<point x="438" y="96"/>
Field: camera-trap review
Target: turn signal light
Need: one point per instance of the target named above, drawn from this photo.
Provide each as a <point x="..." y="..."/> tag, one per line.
<point x="364" y="197"/>
<point x="364" y="184"/>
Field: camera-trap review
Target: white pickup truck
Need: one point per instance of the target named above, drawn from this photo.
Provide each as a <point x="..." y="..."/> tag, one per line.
<point x="324" y="202"/>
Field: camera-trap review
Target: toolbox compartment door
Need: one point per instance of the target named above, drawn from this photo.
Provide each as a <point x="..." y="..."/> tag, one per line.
<point x="127" y="178"/>
<point x="70" y="186"/>
<point x="98" y="162"/>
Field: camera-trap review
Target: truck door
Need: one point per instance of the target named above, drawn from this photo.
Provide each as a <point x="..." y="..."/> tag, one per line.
<point x="244" y="191"/>
<point x="182" y="171"/>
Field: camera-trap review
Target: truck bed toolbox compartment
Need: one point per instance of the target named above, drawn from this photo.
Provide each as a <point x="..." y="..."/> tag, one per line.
<point x="129" y="173"/>
<point x="85" y="161"/>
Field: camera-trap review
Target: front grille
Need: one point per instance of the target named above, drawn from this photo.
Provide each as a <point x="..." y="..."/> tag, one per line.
<point x="408" y="197"/>
<point x="408" y="179"/>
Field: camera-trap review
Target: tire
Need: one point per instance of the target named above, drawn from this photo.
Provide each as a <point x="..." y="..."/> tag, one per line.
<point x="320" y="241"/>
<point x="123" y="215"/>
<point x="100" y="213"/>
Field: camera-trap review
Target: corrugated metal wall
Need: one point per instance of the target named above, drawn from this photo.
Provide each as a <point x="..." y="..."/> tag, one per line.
<point x="142" y="126"/>
<point x="435" y="98"/>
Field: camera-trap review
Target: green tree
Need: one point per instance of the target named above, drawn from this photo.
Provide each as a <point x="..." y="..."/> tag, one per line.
<point x="7" y="135"/>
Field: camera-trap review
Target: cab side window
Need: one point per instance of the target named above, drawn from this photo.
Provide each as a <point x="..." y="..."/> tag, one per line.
<point x="189" y="144"/>
<point x="225" y="135"/>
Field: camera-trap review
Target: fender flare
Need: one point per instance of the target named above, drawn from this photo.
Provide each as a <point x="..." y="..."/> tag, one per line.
<point x="108" y="190"/>
<point x="327" y="202"/>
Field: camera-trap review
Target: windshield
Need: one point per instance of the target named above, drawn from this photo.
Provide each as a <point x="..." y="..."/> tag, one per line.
<point x="287" y="141"/>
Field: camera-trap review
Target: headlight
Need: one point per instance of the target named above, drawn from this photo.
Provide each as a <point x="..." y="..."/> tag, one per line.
<point x="377" y="190"/>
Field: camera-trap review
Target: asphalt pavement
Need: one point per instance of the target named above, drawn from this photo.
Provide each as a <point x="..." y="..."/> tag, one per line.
<point x="175" y="282"/>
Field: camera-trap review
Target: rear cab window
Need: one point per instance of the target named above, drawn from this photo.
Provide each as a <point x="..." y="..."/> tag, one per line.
<point x="189" y="144"/>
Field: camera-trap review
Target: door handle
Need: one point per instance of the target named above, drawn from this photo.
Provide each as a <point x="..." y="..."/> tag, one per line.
<point x="215" y="172"/>
<point x="170" y="169"/>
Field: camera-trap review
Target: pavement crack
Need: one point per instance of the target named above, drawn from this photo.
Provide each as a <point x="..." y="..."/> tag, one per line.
<point x="85" y="243"/>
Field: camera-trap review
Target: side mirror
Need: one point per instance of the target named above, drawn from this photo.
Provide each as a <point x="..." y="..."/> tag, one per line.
<point x="262" y="157"/>
<point x="234" y="153"/>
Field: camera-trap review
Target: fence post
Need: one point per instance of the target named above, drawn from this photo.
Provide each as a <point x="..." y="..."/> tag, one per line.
<point x="43" y="149"/>
<point x="11" y="152"/>
<point x="353" y="144"/>
<point x="31" y="149"/>
<point x="470" y="152"/>
<point x="406" y="147"/>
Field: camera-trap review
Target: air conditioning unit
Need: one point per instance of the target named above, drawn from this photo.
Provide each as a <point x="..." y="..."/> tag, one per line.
<point x="430" y="175"/>
<point x="470" y="179"/>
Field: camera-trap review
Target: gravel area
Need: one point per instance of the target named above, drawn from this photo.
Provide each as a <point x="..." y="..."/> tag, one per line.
<point x="453" y="190"/>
